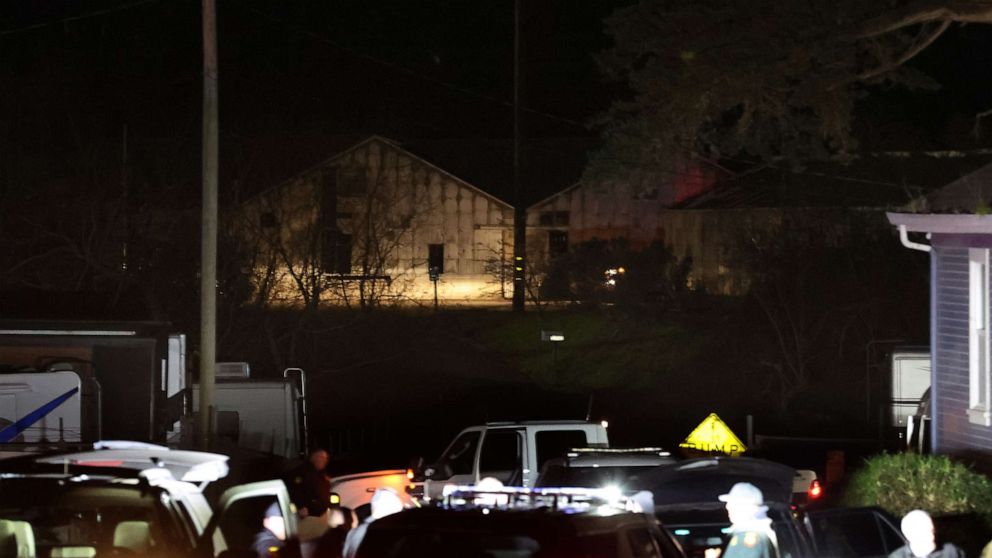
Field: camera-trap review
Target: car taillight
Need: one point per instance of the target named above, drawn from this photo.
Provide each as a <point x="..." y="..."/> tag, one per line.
<point x="815" y="489"/>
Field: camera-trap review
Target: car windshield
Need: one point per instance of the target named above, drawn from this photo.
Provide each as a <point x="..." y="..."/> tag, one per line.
<point x="591" y="477"/>
<point x="64" y="518"/>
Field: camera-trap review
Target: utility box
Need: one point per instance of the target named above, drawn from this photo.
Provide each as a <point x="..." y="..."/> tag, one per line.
<point x="910" y="379"/>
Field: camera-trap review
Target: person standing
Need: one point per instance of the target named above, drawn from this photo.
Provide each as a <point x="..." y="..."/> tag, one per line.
<point x="310" y="491"/>
<point x="751" y="530"/>
<point x="385" y="502"/>
<point x="917" y="527"/>
<point x="309" y="486"/>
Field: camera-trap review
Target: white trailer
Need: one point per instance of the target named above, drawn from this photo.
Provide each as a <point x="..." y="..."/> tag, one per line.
<point x="128" y="381"/>
<point x="257" y="415"/>
<point x="41" y="407"/>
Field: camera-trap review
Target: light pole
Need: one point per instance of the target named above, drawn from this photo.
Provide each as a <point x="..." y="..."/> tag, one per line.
<point x="208" y="238"/>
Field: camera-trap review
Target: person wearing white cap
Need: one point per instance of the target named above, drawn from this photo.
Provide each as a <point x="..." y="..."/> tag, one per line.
<point x="385" y="502"/>
<point x="751" y="530"/>
<point x="918" y="529"/>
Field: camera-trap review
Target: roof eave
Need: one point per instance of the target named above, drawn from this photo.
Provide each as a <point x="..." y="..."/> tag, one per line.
<point x="947" y="223"/>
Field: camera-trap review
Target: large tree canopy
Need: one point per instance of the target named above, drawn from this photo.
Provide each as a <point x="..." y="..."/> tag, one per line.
<point x="757" y="79"/>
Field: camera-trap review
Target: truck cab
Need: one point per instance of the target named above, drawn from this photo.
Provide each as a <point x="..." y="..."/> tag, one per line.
<point x="511" y="452"/>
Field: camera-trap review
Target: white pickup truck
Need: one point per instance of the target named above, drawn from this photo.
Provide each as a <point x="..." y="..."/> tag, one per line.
<point x="512" y="452"/>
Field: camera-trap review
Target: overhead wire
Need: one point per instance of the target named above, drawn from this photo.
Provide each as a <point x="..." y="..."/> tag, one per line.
<point x="78" y="17"/>
<point x="398" y="68"/>
<point x="460" y="89"/>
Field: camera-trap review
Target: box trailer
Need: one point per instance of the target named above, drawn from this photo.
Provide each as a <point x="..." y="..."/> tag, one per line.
<point x="132" y="374"/>
<point x="263" y="416"/>
<point x="80" y="382"/>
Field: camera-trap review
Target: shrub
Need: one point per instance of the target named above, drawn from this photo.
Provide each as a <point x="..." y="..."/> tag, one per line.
<point x="906" y="481"/>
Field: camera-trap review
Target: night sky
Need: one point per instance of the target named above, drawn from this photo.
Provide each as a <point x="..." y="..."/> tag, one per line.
<point x="76" y="71"/>
<point x="298" y="80"/>
<point x="302" y="80"/>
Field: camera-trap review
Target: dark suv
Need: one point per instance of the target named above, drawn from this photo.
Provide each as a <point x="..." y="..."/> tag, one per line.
<point x="520" y="523"/>
<point x="686" y="501"/>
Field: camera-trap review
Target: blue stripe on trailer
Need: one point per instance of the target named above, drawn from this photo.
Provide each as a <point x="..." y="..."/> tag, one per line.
<point x="12" y="431"/>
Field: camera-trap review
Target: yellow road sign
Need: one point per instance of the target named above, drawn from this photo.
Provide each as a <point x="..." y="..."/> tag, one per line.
<point x="713" y="435"/>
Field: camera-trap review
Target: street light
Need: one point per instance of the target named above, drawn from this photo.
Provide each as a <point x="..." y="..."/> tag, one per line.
<point x="553" y="337"/>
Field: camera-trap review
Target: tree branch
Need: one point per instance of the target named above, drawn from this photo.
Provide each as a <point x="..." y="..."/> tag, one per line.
<point x="947" y="11"/>
<point x="923" y="40"/>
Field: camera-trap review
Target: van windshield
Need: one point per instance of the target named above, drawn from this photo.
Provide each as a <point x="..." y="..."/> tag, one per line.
<point x="64" y="518"/>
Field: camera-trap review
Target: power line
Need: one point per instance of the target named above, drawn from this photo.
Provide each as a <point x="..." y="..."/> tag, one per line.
<point x="397" y="68"/>
<point x="87" y="15"/>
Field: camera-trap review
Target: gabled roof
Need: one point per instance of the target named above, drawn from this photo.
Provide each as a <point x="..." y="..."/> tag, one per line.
<point x="397" y="146"/>
<point x="549" y="164"/>
<point x="965" y="194"/>
<point x="550" y="198"/>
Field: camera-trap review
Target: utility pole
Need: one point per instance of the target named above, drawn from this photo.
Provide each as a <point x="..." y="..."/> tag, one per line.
<point x="519" y="211"/>
<point x="208" y="240"/>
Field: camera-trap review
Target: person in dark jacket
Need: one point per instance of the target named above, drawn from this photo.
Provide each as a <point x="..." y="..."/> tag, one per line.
<point x="272" y="537"/>
<point x="917" y="527"/>
<point x="309" y="486"/>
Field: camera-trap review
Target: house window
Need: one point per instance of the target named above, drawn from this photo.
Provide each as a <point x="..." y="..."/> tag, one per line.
<point x="553" y="219"/>
<point x="336" y="252"/>
<point x="978" y="312"/>
<point x="557" y="243"/>
<point x="351" y="181"/>
<point x="435" y="257"/>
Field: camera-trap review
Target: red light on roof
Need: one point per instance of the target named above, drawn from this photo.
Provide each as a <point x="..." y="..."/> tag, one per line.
<point x="99" y="463"/>
<point x="815" y="489"/>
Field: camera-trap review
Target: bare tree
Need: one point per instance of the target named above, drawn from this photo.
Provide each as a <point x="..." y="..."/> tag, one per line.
<point x="498" y="265"/>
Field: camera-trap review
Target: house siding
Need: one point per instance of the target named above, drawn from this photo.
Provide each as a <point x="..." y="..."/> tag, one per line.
<point x="953" y="433"/>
